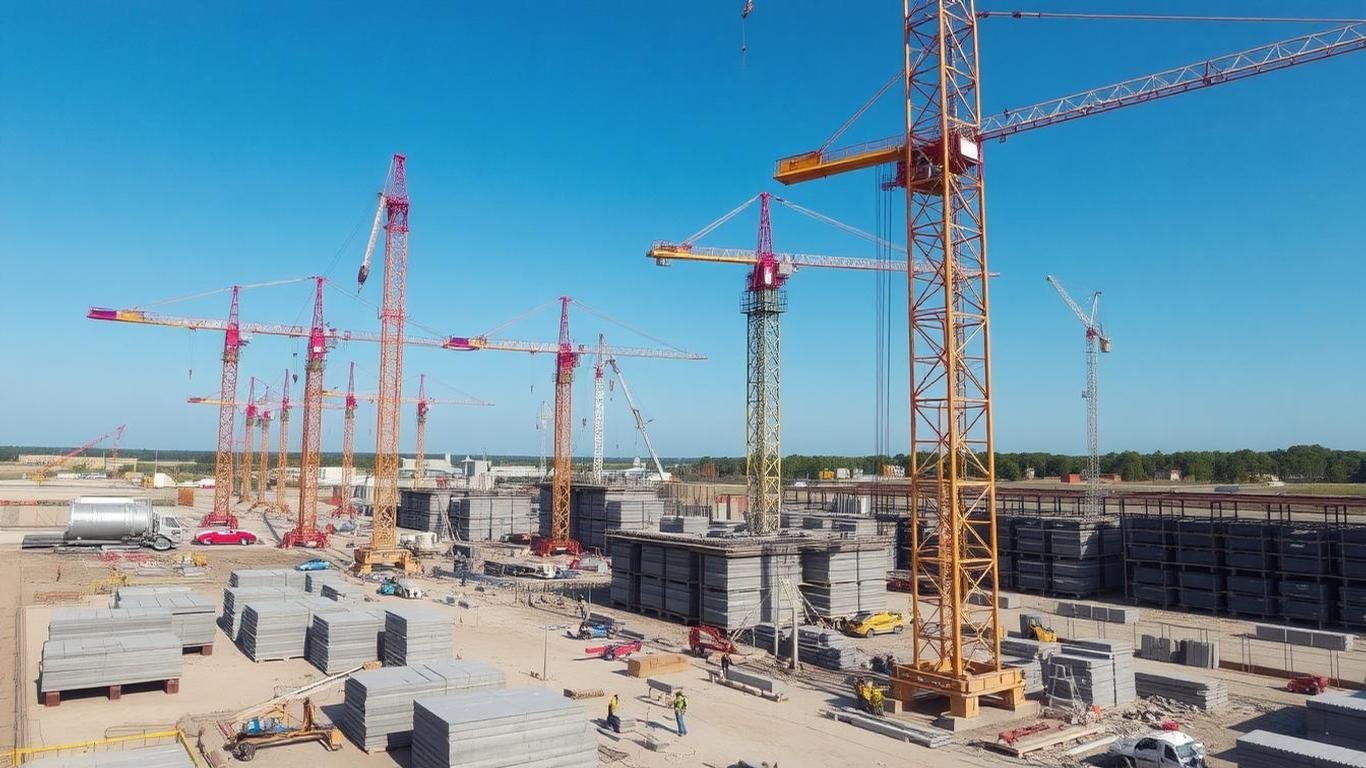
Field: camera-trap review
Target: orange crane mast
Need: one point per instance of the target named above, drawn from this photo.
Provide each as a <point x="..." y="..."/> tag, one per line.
<point x="263" y="419"/>
<point x="939" y="162"/>
<point x="348" y="478"/>
<point x="282" y="448"/>
<point x="248" y="447"/>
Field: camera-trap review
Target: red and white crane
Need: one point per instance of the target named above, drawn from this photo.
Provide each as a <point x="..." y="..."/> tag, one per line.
<point x="41" y="475"/>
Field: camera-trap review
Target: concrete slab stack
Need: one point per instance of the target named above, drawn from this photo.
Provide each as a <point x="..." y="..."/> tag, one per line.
<point x="595" y="510"/>
<point x="1028" y="656"/>
<point x="314" y="580"/>
<point x="81" y="623"/>
<point x="377" y="713"/>
<point x="285" y="578"/>
<point x="1112" y="614"/>
<point x="192" y="614"/>
<point x="1060" y="556"/>
<point x="236" y="598"/>
<point x="158" y="756"/>
<point x="1333" y="641"/>
<point x="341" y="641"/>
<point x="272" y="631"/>
<point x="502" y="729"/>
<point x="492" y="517"/>
<point x="1338" y="718"/>
<point x="343" y="592"/>
<point x="735" y="582"/>
<point x="100" y="662"/>
<point x="1099" y="672"/>
<point x="688" y="524"/>
<point x="1158" y="648"/>
<point x="421" y="509"/>
<point x="141" y="590"/>
<point x="417" y="634"/>
<point x="1207" y="695"/>
<point x="1264" y="749"/>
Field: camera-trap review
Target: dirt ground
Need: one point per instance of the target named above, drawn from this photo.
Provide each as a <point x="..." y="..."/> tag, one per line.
<point x="497" y="626"/>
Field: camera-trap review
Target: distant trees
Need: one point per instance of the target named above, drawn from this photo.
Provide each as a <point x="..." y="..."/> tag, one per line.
<point x="1296" y="464"/>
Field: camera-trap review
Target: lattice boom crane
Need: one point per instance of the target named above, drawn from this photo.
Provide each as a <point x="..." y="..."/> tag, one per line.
<point x="938" y="154"/>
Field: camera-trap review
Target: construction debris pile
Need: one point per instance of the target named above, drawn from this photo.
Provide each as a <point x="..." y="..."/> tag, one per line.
<point x="378" y="709"/>
<point x="502" y="729"/>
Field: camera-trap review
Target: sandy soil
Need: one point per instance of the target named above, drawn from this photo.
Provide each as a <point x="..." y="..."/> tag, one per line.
<point x="498" y="626"/>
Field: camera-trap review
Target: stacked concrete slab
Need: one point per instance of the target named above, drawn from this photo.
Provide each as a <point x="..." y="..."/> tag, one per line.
<point x="1061" y="556"/>
<point x="341" y="641"/>
<point x="595" y="510"/>
<point x="159" y="756"/>
<point x="1337" y="718"/>
<point x="1028" y="655"/>
<point x="1092" y="672"/>
<point x="815" y="644"/>
<point x="1264" y="749"/>
<point x="377" y="712"/>
<point x="284" y="578"/>
<point x="422" y="509"/>
<point x="417" y="634"/>
<point x="502" y="729"/>
<point x="99" y="662"/>
<point x="141" y="590"/>
<point x="1112" y="614"/>
<point x="1207" y="695"/>
<point x="491" y="517"/>
<point x="314" y="580"/>
<point x="272" y="630"/>
<point x="82" y="623"/>
<point x="236" y="598"/>
<point x="687" y="524"/>
<point x="843" y="582"/>
<point x="192" y="614"/>
<point x="343" y="592"/>
<point x="1333" y="641"/>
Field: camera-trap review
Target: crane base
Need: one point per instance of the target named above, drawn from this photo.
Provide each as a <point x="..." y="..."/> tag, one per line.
<point x="212" y="520"/>
<point x="544" y="547"/>
<point x="399" y="559"/>
<point x="303" y="538"/>
<point x="1000" y="687"/>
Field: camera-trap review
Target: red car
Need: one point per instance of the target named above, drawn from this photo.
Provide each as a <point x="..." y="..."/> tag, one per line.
<point x="225" y="536"/>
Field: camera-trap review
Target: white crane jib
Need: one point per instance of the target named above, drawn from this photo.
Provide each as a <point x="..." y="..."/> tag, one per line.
<point x="1095" y="340"/>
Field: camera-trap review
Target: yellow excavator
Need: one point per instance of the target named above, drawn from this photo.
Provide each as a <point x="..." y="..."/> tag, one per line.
<point x="1041" y="633"/>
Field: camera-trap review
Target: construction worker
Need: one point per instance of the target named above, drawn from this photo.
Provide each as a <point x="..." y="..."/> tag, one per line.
<point x="613" y="721"/>
<point x="680" y="708"/>
<point x="725" y="666"/>
<point x="583" y="609"/>
<point x="875" y="700"/>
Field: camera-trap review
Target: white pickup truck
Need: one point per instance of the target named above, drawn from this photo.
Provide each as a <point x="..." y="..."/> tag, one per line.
<point x="1160" y="749"/>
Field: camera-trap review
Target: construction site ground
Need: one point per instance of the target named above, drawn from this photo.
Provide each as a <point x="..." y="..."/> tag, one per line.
<point x="520" y="628"/>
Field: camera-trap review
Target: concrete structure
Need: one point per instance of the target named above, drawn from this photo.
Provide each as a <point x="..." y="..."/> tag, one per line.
<point x="502" y="729"/>
<point x="738" y="581"/>
<point x="595" y="509"/>
<point x="377" y="713"/>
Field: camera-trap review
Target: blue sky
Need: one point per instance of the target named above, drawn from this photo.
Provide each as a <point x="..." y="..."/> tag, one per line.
<point x="154" y="150"/>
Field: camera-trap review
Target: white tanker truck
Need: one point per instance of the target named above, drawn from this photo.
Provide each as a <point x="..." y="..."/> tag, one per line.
<point x="99" y="520"/>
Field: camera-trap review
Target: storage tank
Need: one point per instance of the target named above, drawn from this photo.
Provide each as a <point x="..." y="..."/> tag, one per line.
<point x="109" y="518"/>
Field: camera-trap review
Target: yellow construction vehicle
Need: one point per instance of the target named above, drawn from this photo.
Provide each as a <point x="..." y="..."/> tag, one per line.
<point x="869" y="623"/>
<point x="277" y="727"/>
<point x="1041" y="633"/>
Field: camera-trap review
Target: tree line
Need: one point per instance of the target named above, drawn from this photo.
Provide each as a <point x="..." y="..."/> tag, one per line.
<point x="1298" y="463"/>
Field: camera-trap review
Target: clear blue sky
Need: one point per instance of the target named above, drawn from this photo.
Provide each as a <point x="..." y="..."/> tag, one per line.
<point x="154" y="150"/>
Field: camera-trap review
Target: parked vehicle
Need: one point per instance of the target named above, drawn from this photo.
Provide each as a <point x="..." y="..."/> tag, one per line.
<point x="1160" y="749"/>
<point x="405" y="588"/>
<point x="212" y="536"/>
<point x="316" y="564"/>
<point x="97" y="520"/>
<point x="867" y="624"/>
